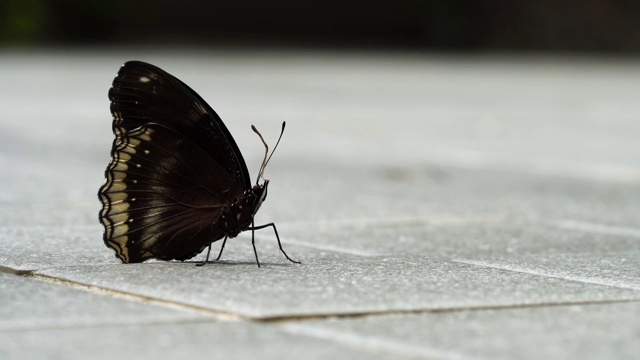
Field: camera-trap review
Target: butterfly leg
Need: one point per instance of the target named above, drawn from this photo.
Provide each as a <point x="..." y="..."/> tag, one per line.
<point x="253" y="242"/>
<point x="209" y="252"/>
<point x="253" y="228"/>
<point x="221" y="248"/>
<point x="207" y="259"/>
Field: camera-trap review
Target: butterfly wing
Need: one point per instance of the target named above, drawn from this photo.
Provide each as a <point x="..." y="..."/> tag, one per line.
<point x="143" y="93"/>
<point x="174" y="168"/>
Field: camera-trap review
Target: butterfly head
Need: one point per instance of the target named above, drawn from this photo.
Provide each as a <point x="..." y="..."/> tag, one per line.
<point x="259" y="191"/>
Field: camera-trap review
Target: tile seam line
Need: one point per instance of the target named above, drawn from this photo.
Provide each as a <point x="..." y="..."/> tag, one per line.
<point x="582" y="281"/>
<point x="396" y="350"/>
<point x="355" y="315"/>
<point x="275" y="319"/>
<point x="100" y="290"/>
<point x="12" y="271"/>
<point x="112" y="325"/>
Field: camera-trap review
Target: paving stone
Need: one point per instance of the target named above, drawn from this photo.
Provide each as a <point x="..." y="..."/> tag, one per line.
<point x="337" y="284"/>
<point x="606" y="331"/>
<point x="232" y="340"/>
<point x="37" y="247"/>
<point x="37" y="305"/>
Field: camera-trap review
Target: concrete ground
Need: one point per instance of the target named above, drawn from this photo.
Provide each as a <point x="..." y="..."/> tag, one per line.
<point x="443" y="207"/>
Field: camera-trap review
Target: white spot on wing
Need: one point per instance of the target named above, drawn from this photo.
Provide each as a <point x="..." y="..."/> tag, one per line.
<point x="144" y="79"/>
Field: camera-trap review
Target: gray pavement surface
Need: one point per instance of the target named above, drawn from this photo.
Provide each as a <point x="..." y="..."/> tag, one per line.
<point x="442" y="207"/>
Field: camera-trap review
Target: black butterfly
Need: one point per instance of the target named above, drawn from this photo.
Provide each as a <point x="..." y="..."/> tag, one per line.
<point x="177" y="181"/>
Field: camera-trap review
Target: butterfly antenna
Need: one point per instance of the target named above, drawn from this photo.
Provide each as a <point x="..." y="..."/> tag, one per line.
<point x="267" y="157"/>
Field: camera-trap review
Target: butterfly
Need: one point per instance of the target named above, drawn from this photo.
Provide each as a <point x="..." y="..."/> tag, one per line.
<point x="177" y="181"/>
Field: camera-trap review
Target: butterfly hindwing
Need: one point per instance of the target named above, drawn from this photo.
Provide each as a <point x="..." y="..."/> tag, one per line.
<point x="157" y="202"/>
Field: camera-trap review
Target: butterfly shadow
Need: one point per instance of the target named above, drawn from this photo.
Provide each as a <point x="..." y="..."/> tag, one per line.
<point x="234" y="263"/>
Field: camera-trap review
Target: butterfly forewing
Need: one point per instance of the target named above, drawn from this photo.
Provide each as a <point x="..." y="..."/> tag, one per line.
<point x="174" y="168"/>
<point x="143" y="93"/>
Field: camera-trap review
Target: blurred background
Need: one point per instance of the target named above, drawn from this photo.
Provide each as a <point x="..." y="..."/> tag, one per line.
<point x="440" y="25"/>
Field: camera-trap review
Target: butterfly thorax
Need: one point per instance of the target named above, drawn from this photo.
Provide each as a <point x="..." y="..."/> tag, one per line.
<point x="238" y="216"/>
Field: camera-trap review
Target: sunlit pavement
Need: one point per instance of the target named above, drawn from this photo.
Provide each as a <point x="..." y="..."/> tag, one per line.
<point x="442" y="207"/>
